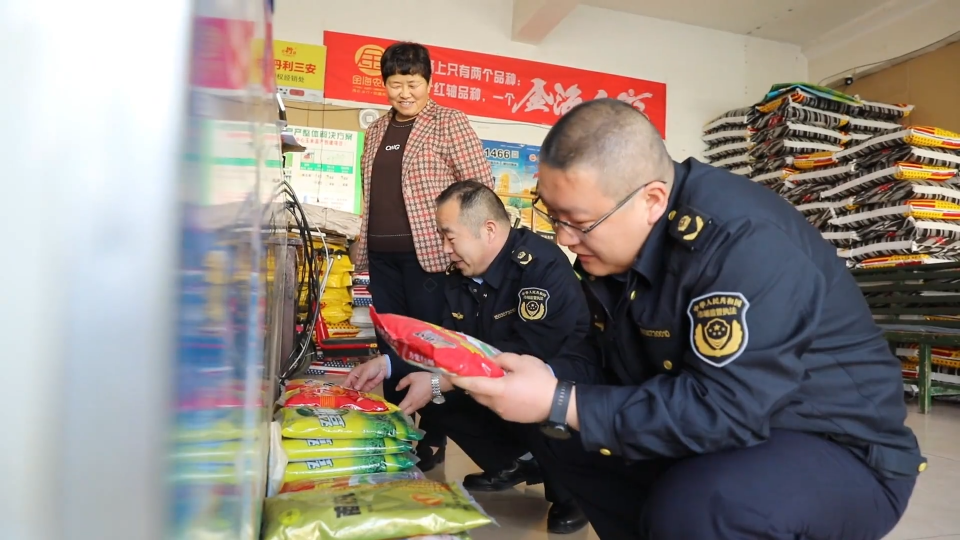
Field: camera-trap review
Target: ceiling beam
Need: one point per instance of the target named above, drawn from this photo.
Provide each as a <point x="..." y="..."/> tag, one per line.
<point x="533" y="20"/>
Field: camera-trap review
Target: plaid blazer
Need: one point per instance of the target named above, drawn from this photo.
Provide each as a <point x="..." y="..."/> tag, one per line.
<point x="442" y="149"/>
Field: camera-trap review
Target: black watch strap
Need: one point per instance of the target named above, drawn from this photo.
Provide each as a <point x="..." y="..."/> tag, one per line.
<point x="561" y="402"/>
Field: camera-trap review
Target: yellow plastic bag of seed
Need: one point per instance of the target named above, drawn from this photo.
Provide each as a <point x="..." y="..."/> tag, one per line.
<point x="348" y="466"/>
<point x="402" y="509"/>
<point x="317" y="423"/>
<point x="308" y="449"/>
<point x="340" y="482"/>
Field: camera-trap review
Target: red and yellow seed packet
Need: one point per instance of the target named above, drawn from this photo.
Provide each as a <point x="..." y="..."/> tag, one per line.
<point x="437" y="349"/>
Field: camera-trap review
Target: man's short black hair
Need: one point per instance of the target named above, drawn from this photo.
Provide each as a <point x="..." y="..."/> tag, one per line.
<point x="478" y="203"/>
<point x="613" y="138"/>
<point x="406" y="58"/>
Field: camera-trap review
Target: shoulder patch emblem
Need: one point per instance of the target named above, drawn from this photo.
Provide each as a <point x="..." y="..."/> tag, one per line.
<point x="718" y="327"/>
<point x="689" y="227"/>
<point x="533" y="303"/>
<point x="690" y="233"/>
<point x="522" y="256"/>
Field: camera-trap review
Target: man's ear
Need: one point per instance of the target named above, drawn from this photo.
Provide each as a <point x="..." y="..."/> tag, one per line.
<point x="656" y="196"/>
<point x="490" y="229"/>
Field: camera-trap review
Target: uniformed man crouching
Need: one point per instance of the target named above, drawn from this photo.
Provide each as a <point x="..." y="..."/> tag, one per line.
<point x="517" y="291"/>
<point x="740" y="387"/>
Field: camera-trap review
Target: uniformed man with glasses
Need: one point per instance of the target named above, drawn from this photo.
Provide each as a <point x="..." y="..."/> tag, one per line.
<point x="734" y="384"/>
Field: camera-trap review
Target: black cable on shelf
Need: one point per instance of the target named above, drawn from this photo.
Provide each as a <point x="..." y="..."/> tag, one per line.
<point x="309" y="274"/>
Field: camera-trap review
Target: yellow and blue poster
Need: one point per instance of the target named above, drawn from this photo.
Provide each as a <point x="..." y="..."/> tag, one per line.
<point x="515" y="167"/>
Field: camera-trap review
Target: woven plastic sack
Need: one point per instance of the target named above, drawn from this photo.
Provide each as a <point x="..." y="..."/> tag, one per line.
<point x="895" y="261"/>
<point x="857" y="217"/>
<point x="900" y="171"/>
<point x="922" y="136"/>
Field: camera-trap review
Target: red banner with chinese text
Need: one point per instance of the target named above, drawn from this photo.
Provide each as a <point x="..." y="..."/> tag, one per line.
<point x="487" y="85"/>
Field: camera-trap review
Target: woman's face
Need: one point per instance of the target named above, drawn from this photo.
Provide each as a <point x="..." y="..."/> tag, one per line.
<point x="408" y="94"/>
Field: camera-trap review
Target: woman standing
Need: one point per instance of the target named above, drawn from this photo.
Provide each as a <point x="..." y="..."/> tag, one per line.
<point x="410" y="156"/>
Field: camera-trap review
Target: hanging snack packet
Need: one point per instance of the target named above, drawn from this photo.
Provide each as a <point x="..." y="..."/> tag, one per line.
<point x="314" y="393"/>
<point x="373" y="512"/>
<point x="317" y="423"/>
<point x="326" y="484"/>
<point x="346" y="466"/>
<point x="309" y="449"/>
<point x="437" y="349"/>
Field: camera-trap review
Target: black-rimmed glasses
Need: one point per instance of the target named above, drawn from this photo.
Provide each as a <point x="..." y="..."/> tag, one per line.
<point x="556" y="223"/>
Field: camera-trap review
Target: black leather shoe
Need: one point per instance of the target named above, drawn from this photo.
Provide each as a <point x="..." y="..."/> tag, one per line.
<point x="565" y="518"/>
<point x="519" y="473"/>
<point x="430" y="459"/>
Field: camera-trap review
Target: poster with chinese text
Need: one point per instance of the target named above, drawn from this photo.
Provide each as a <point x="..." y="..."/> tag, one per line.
<point x="487" y="85"/>
<point x="299" y="69"/>
<point x="328" y="172"/>
<point x="229" y="164"/>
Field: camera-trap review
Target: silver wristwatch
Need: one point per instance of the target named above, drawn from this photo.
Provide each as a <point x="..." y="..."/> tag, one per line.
<point x="435" y="386"/>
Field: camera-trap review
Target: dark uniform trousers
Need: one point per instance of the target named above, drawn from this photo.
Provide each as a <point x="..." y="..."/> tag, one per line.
<point x="738" y="387"/>
<point x="794" y="486"/>
<point x="529" y="301"/>
<point x="491" y="442"/>
<point x="399" y="285"/>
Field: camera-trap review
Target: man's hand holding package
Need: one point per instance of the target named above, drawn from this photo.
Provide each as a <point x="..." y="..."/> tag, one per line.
<point x="524" y="394"/>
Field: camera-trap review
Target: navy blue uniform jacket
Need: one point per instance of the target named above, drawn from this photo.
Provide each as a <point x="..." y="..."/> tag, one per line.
<point x="736" y="318"/>
<point x="529" y="302"/>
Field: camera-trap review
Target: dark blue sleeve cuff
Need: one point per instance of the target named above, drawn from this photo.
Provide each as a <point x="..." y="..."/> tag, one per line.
<point x="598" y="409"/>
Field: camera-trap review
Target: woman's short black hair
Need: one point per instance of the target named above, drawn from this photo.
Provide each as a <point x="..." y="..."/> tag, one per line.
<point x="405" y="58"/>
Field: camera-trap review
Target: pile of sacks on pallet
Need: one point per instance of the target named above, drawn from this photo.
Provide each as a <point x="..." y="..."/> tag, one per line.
<point x="883" y="193"/>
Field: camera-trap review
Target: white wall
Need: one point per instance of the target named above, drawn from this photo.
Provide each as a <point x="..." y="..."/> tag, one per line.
<point x="892" y="31"/>
<point x="707" y="72"/>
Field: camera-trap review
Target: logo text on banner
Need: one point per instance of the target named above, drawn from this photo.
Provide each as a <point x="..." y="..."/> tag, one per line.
<point x="487" y="85"/>
<point x="299" y="68"/>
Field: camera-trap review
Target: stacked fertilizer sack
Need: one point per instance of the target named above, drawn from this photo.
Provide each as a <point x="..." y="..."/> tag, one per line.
<point x="729" y="139"/>
<point x="900" y="202"/>
<point x="882" y="193"/>
<point x="800" y="129"/>
<point x="945" y="362"/>
<point x="821" y="122"/>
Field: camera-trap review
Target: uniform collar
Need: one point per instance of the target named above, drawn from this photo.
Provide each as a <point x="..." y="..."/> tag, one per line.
<point x="649" y="262"/>
<point x="501" y="264"/>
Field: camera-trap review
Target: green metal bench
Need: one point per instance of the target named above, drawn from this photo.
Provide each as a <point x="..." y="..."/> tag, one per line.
<point x="918" y="305"/>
